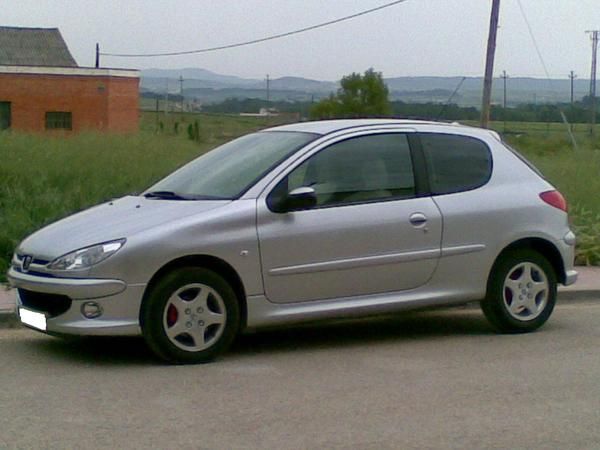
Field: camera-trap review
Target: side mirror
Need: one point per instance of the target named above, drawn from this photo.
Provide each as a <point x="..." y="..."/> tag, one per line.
<point x="301" y="198"/>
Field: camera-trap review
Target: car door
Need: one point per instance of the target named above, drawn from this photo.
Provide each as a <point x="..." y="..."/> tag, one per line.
<point x="369" y="232"/>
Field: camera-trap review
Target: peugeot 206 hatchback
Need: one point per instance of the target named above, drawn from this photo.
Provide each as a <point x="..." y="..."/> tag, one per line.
<point x="300" y="222"/>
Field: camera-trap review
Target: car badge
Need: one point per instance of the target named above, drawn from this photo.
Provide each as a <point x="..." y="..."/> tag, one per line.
<point x="26" y="263"/>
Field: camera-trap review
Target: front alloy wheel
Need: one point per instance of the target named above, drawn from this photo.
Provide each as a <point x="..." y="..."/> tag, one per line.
<point x="194" y="317"/>
<point x="191" y="315"/>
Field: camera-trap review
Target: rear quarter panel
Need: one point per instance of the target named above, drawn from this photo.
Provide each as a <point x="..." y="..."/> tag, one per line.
<point x="490" y="218"/>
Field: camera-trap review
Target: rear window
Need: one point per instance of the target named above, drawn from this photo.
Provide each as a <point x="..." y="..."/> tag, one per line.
<point x="455" y="163"/>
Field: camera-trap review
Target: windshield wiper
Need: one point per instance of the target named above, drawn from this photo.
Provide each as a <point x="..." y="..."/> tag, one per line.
<point x="167" y="195"/>
<point x="207" y="197"/>
<point x="170" y="195"/>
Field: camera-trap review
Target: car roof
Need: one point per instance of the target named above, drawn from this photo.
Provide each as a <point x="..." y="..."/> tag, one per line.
<point x="331" y="126"/>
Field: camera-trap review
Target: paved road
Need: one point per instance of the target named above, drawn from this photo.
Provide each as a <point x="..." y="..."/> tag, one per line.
<point x="435" y="379"/>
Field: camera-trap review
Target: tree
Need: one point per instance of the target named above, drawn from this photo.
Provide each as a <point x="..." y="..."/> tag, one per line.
<point x="359" y="96"/>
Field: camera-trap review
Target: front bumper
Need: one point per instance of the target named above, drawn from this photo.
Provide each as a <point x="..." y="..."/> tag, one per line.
<point x="119" y="302"/>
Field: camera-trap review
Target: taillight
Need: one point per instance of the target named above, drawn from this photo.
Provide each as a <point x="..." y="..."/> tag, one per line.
<point x="554" y="198"/>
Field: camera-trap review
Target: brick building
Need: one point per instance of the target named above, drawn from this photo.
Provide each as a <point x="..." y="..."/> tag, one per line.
<point x="42" y="88"/>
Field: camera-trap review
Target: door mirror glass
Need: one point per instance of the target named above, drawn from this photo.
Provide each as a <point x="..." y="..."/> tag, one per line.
<point x="301" y="198"/>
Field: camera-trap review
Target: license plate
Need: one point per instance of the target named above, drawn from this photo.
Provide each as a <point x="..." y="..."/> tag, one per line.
<point x="33" y="319"/>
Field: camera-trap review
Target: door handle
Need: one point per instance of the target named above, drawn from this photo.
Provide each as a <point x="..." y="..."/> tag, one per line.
<point x="418" y="219"/>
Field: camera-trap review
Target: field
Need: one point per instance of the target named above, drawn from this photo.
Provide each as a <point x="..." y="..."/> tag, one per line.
<point x="46" y="178"/>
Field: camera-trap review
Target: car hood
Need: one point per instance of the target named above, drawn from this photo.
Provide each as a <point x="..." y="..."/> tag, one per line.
<point x="116" y="219"/>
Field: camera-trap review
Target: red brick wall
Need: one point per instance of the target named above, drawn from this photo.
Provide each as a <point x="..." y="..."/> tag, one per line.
<point x="103" y="103"/>
<point x="123" y="104"/>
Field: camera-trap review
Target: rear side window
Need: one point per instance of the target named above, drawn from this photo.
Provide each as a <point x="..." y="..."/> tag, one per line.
<point x="455" y="163"/>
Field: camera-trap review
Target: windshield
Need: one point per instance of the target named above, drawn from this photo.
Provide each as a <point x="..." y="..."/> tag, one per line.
<point x="228" y="171"/>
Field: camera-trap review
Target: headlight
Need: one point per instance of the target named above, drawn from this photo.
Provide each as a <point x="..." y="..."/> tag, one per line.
<point x="86" y="257"/>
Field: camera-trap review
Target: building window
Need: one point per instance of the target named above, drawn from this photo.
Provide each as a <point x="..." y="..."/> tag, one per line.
<point x="4" y="115"/>
<point x="59" y="120"/>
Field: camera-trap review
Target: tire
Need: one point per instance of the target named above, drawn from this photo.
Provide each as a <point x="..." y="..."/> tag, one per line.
<point x="521" y="292"/>
<point x="190" y="316"/>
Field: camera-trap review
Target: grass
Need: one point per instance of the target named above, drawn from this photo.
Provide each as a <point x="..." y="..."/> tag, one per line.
<point x="45" y="178"/>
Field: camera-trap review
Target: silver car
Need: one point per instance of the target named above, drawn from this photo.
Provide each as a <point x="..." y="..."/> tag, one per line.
<point x="300" y="222"/>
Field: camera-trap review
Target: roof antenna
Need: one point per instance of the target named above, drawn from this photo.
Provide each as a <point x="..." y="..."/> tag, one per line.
<point x="97" y="55"/>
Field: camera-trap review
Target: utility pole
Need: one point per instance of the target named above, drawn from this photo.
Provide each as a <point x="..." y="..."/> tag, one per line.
<point x="268" y="93"/>
<point x="181" y="90"/>
<point x="489" y="64"/>
<point x="572" y="76"/>
<point x="97" y="55"/>
<point x="504" y="77"/>
<point x="594" y="37"/>
<point x="166" y="96"/>
<point x="157" y="110"/>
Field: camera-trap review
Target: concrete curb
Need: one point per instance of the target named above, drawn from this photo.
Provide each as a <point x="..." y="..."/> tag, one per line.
<point x="577" y="295"/>
<point x="9" y="319"/>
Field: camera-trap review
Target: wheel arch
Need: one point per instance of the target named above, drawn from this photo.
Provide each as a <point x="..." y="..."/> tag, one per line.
<point x="540" y="245"/>
<point x="213" y="263"/>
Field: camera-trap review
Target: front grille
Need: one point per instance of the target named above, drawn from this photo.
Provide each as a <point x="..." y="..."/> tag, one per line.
<point x="38" y="261"/>
<point x="36" y="267"/>
<point x="51" y="304"/>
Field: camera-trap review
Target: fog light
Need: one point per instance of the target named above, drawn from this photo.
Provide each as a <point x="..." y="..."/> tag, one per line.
<point x="91" y="310"/>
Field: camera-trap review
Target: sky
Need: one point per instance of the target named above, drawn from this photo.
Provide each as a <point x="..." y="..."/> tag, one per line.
<point x="414" y="38"/>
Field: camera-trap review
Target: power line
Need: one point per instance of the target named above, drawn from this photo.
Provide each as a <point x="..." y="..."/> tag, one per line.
<point x="539" y="53"/>
<point x="256" y="41"/>
<point x="443" y="110"/>
<point x="535" y="44"/>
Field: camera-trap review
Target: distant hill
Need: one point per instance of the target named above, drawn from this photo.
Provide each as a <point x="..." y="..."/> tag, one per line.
<point x="303" y="84"/>
<point x="190" y="73"/>
<point x="211" y="87"/>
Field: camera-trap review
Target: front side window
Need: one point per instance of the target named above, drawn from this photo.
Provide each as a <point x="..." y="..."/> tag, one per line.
<point x="455" y="163"/>
<point x="361" y="169"/>
<point x="59" y="120"/>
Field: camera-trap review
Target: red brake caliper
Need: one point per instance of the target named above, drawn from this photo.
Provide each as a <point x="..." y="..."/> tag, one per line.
<point x="171" y="316"/>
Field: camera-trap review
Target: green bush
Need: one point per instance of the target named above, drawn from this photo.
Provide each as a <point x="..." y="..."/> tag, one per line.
<point x="586" y="225"/>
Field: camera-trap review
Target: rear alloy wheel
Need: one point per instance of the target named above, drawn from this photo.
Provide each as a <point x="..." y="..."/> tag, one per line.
<point x="521" y="292"/>
<point x="190" y="316"/>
